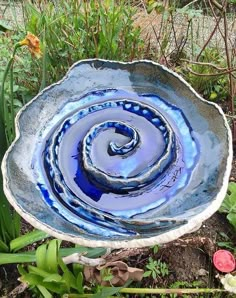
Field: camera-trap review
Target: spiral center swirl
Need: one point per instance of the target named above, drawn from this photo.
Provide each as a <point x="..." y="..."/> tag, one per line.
<point x="120" y="183"/>
<point x="116" y="156"/>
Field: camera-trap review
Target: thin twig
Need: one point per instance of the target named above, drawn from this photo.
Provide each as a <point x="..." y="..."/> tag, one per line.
<point x="211" y="74"/>
<point x="80" y="259"/>
<point x="230" y="116"/>
<point x="210" y="65"/>
<point x="217" y="5"/>
<point x="18" y="290"/>
<point x="154" y="31"/>
<point x="205" y="64"/>
<point x="231" y="83"/>
<point x="215" y="16"/>
<point x="108" y="257"/>
<point x="210" y="37"/>
<point x="187" y="5"/>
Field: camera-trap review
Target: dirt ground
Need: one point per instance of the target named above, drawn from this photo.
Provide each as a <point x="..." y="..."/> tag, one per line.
<point x="189" y="260"/>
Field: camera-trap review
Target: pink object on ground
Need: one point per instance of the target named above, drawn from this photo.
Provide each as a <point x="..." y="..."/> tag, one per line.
<point x="224" y="261"/>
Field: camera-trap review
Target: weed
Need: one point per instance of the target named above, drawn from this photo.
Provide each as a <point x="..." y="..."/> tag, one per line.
<point x="156" y="268"/>
<point x="182" y="285"/>
<point x="155" y="249"/>
<point x="229" y="204"/>
<point x="211" y="87"/>
<point x="51" y="276"/>
<point x="106" y="274"/>
<point x="75" y="30"/>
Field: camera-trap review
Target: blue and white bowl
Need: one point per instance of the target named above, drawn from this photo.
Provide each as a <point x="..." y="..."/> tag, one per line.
<point x="118" y="155"/>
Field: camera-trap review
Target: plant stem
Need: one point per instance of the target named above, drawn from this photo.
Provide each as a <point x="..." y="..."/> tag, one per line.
<point x="228" y="71"/>
<point x="168" y="291"/>
<point x="44" y="67"/>
<point x="231" y="83"/>
<point x="12" y="121"/>
<point x="3" y="104"/>
<point x="152" y="291"/>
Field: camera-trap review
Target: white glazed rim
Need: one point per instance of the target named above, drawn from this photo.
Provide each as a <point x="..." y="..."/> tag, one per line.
<point x="169" y="236"/>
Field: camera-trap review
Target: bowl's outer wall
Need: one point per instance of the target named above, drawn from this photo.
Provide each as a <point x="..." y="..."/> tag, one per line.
<point x="207" y="121"/>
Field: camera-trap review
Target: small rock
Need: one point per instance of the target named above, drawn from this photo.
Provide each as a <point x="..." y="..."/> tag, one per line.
<point x="202" y="272"/>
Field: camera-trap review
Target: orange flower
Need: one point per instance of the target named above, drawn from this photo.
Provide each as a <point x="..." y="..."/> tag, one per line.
<point x="33" y="44"/>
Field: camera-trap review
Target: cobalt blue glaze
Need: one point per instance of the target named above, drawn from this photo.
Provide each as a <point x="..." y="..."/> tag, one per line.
<point x="109" y="162"/>
<point x="123" y="153"/>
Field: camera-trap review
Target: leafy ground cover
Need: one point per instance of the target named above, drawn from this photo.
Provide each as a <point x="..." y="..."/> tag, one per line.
<point x="73" y="30"/>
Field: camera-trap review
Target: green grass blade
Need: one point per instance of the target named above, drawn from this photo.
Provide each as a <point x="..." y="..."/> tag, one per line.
<point x="41" y="254"/>
<point x="27" y="239"/>
<point x="3" y="246"/>
<point x="12" y="258"/>
<point x="44" y="66"/>
<point x="30" y="257"/>
<point x="44" y="292"/>
<point x="52" y="255"/>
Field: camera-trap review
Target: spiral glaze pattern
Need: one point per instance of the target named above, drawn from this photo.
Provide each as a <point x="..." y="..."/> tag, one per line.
<point x="106" y="162"/>
<point x="118" y="155"/>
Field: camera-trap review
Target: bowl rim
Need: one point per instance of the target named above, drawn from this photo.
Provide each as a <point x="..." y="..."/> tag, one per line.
<point x="193" y="223"/>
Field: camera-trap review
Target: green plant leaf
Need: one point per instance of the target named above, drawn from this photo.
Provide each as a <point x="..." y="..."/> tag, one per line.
<point x="27" y="239"/>
<point x="70" y="279"/>
<point x="4" y="26"/>
<point x="38" y="271"/>
<point x="3" y="247"/>
<point x="52" y="255"/>
<point x="106" y="292"/>
<point x="229" y="204"/>
<point x="79" y="283"/>
<point x="10" y="258"/>
<point x="21" y="270"/>
<point x="39" y="255"/>
<point x="53" y="278"/>
<point x="232" y="219"/>
<point x="32" y="279"/>
<point x="44" y="292"/>
<point x="147" y="273"/>
<point x="41" y="260"/>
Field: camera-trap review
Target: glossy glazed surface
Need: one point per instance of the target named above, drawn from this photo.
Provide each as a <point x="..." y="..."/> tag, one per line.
<point x="118" y="153"/>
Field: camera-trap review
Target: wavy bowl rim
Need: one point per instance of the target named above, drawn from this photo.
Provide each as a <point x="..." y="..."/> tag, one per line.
<point x="194" y="223"/>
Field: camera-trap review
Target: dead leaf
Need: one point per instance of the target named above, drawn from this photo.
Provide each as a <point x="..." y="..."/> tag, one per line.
<point x="120" y="271"/>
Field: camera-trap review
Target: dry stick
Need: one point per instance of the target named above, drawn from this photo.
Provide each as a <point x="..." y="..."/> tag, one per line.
<point x="210" y="65"/>
<point x="126" y="253"/>
<point x="204" y="64"/>
<point x="179" y="45"/>
<point x="157" y="37"/>
<point x="80" y="259"/>
<point x="18" y="290"/>
<point x="231" y="83"/>
<point x="108" y="257"/>
<point x="215" y="16"/>
<point x="225" y="38"/>
<point x="218" y="5"/>
<point x="187" y="5"/>
<point x="210" y="37"/>
<point x="228" y="71"/>
<point x="173" y="29"/>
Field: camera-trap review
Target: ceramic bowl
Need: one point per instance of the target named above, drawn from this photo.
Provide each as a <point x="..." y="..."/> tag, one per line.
<point x="118" y="155"/>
